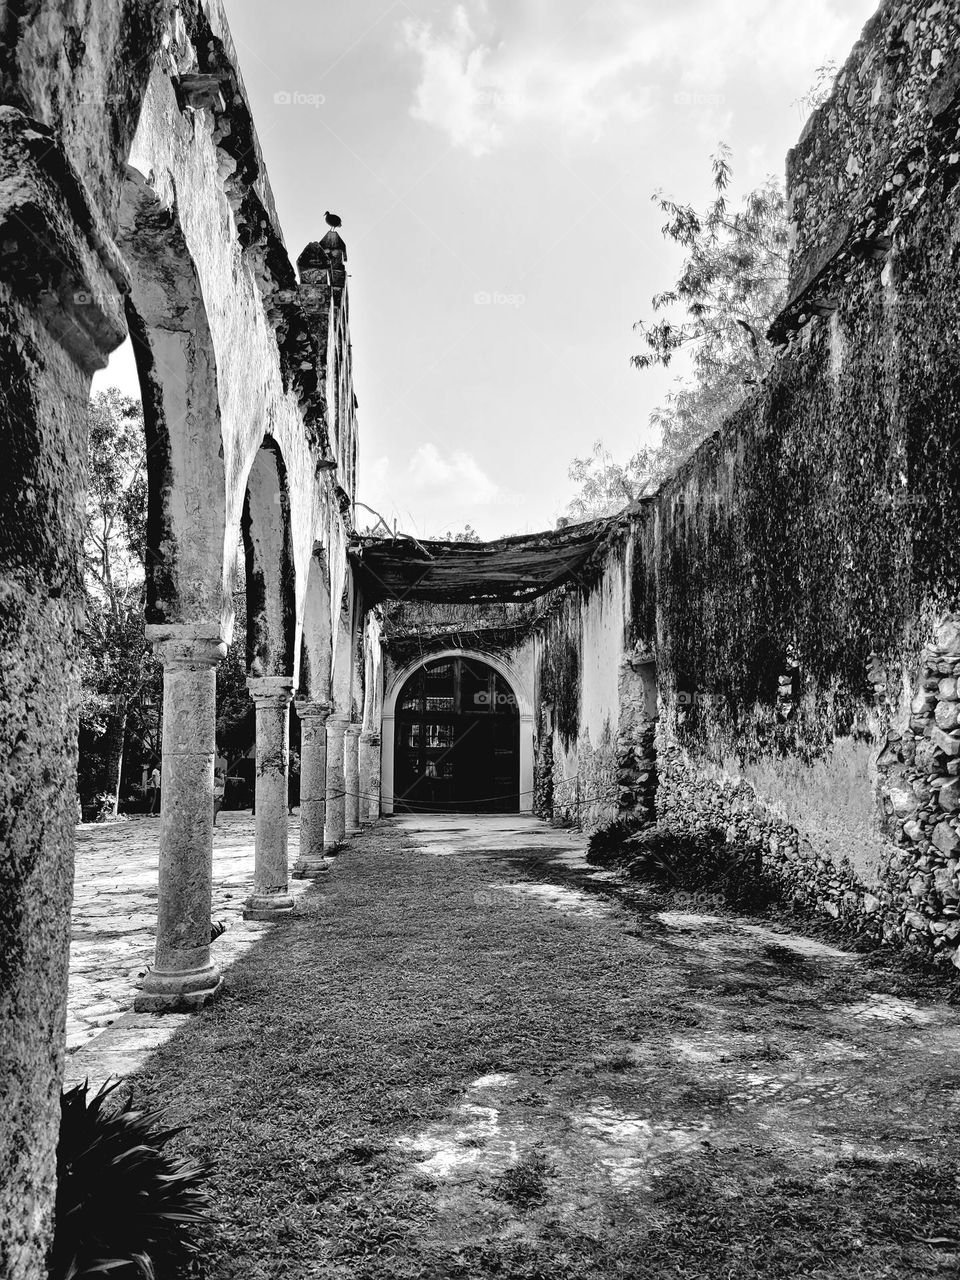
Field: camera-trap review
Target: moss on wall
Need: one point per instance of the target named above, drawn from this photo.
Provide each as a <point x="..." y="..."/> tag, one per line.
<point x="559" y="672"/>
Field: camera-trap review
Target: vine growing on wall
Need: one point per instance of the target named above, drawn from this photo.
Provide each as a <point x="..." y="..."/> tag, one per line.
<point x="812" y="534"/>
<point x="560" y="681"/>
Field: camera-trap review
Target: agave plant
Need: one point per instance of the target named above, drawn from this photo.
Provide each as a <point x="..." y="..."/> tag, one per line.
<point x="124" y="1207"/>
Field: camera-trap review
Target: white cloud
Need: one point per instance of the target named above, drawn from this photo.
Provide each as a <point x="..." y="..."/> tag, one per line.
<point x="442" y="490"/>
<point x="429" y="472"/>
<point x="612" y="64"/>
<point x="475" y="91"/>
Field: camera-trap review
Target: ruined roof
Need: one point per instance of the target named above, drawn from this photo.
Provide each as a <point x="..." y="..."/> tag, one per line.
<point x="517" y="568"/>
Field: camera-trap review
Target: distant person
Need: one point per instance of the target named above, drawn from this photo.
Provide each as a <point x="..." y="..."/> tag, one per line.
<point x="153" y="790"/>
<point x="219" y="791"/>
<point x="293" y="781"/>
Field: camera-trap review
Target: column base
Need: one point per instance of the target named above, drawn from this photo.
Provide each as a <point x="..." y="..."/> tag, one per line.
<point x="310" y="869"/>
<point x="268" y="906"/>
<point x="172" y="991"/>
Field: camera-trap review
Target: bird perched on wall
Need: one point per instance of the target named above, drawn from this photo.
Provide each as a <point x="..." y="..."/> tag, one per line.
<point x="332" y="219"/>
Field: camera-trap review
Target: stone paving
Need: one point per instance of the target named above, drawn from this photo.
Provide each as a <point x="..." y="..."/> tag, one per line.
<point x="113" y="932"/>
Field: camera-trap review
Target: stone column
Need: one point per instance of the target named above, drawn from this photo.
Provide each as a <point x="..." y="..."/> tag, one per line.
<point x="351" y="779"/>
<point x="183" y="976"/>
<point x="334" y="828"/>
<point x="369" y="776"/>
<point x="270" y="899"/>
<point x="313" y="788"/>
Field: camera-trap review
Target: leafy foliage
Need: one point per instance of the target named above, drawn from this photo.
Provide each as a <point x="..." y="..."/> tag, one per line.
<point x="466" y="534"/>
<point x="118" y="665"/>
<point x="236" y="721"/>
<point x="121" y="676"/>
<point x="730" y="287"/>
<point x="605" y="485"/>
<point x="124" y="1207"/>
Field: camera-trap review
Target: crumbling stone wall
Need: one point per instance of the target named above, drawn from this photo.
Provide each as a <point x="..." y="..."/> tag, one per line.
<point x="187" y="251"/>
<point x="795" y="586"/>
<point x="594" y="748"/>
<point x="800" y="578"/>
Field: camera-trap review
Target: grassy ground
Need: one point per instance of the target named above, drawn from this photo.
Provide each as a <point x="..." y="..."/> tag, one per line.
<point x="430" y="1074"/>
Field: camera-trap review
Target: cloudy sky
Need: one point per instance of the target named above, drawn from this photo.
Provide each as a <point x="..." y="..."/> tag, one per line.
<point x="493" y="163"/>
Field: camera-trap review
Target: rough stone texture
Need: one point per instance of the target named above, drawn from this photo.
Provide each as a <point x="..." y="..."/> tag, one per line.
<point x="335" y="827"/>
<point x="797" y="577"/>
<point x="351" y="779"/>
<point x="184" y="249"/>
<point x="43" y="409"/>
<point x="866" y="157"/>
<point x="369" y="777"/>
<point x="795" y="585"/>
<point x="183" y="976"/>
<point x="313" y="788"/>
<point x="270" y="897"/>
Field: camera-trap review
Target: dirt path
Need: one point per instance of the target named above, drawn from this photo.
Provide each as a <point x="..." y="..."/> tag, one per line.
<point x="461" y="1060"/>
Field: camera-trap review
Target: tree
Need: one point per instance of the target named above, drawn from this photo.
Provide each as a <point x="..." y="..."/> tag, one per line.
<point x="606" y="486"/>
<point x="731" y="285"/>
<point x="236" y="721"/>
<point x="118" y="666"/>
<point x="466" y="534"/>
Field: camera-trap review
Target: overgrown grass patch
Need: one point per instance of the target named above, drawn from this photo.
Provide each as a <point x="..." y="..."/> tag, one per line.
<point x="368" y="1018"/>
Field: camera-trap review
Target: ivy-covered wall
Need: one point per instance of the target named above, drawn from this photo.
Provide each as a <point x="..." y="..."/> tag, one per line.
<point x="594" y="741"/>
<point x="795" y="587"/>
<point x="798" y="578"/>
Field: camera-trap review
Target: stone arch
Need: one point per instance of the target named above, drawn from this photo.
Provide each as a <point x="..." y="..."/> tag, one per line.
<point x="174" y="353"/>
<point x="316" y="637"/>
<point x="503" y="668"/>
<point x="270" y="573"/>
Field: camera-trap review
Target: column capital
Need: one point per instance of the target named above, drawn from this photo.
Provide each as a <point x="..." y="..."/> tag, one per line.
<point x="307" y="710"/>
<point x="353" y="729"/>
<point x="370" y="736"/>
<point x="270" y="688"/>
<point x="187" y="646"/>
<point x="338" y="722"/>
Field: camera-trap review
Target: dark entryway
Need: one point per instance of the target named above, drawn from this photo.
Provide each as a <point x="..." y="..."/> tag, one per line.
<point x="458" y="740"/>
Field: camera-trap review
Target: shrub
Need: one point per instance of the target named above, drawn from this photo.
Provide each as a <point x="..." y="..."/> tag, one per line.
<point x="702" y="861"/>
<point x="608" y="844"/>
<point x="124" y="1207"/>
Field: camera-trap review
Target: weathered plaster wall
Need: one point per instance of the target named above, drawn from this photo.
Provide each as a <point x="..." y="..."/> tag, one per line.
<point x="41" y="417"/>
<point x="795" y="585"/>
<point x="88" y="89"/>
<point x="243" y="280"/>
<point x="587" y="729"/>
<point x="800" y="571"/>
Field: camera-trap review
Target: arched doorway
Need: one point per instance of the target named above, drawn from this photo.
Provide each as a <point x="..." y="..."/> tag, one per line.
<point x="457" y="742"/>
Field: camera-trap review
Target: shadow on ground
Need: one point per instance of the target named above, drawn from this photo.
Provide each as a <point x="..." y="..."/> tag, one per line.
<point x="461" y="1060"/>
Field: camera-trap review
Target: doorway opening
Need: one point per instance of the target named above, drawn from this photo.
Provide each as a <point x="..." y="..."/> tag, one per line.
<point x="457" y="743"/>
